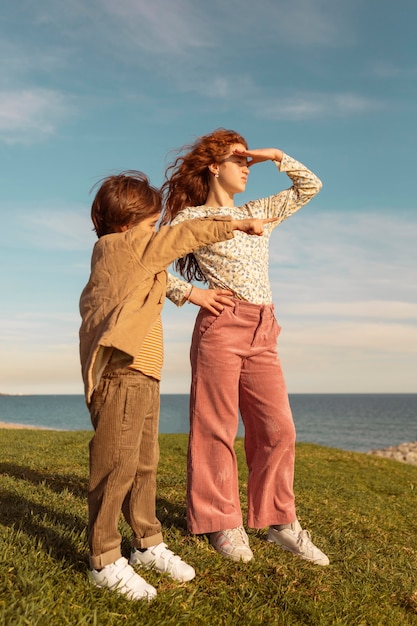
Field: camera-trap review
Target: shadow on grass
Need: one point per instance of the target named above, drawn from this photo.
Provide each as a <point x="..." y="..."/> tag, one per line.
<point x="171" y="514"/>
<point x="50" y="529"/>
<point x="55" y="482"/>
<point x="53" y="529"/>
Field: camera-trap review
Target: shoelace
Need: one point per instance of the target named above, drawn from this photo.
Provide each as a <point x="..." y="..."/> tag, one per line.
<point x="236" y="534"/>
<point x="303" y="540"/>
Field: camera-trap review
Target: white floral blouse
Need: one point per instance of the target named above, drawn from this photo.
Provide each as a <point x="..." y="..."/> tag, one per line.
<point x="241" y="264"/>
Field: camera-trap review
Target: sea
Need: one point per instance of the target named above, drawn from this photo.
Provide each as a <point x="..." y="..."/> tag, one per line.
<point x="357" y="422"/>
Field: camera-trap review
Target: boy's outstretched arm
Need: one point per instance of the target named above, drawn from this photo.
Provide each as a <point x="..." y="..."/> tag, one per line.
<point x="253" y="226"/>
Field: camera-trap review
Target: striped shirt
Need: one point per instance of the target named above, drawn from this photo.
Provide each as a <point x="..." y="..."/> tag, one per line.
<point x="151" y="356"/>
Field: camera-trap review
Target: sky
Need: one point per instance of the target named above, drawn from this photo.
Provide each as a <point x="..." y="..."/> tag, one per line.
<point x="92" y="88"/>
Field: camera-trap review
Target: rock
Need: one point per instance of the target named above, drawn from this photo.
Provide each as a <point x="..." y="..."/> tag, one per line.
<point x="404" y="452"/>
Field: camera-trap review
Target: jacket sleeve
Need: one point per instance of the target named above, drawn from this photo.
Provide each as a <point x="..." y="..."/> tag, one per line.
<point x="173" y="242"/>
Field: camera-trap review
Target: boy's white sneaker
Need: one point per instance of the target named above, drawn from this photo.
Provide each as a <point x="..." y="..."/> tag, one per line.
<point x="121" y="577"/>
<point x="162" y="559"/>
<point x="233" y="543"/>
<point x="298" y="541"/>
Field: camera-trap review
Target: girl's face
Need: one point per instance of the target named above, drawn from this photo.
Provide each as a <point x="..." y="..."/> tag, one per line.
<point x="233" y="171"/>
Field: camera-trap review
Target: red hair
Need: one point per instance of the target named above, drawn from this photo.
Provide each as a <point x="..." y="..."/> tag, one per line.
<point x="187" y="183"/>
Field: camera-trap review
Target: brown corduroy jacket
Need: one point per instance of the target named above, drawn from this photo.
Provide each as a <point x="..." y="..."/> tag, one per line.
<point x="127" y="287"/>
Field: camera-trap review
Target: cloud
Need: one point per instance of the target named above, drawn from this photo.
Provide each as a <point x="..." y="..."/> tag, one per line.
<point x="221" y="87"/>
<point x="33" y="329"/>
<point x="388" y="69"/>
<point x="41" y="371"/>
<point x="352" y="255"/>
<point x="185" y="42"/>
<point x="326" y="357"/>
<point x="163" y="27"/>
<point x="45" y="58"/>
<point x="29" y="115"/>
<point x="355" y="335"/>
<point x="310" y="105"/>
<point x="160" y="27"/>
<point x="344" y="289"/>
<point x="176" y="373"/>
<point x="302" y="23"/>
<point x="342" y="357"/>
<point x="364" y="309"/>
<point x="342" y="329"/>
<point x="60" y="228"/>
<point x="181" y="44"/>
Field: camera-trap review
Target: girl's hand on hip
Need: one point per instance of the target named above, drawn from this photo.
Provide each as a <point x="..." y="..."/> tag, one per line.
<point x="214" y="300"/>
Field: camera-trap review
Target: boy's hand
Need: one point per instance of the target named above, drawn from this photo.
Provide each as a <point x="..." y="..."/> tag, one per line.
<point x="214" y="300"/>
<point x="253" y="226"/>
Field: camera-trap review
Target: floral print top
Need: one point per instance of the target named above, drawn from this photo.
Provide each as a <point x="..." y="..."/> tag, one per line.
<point x="241" y="264"/>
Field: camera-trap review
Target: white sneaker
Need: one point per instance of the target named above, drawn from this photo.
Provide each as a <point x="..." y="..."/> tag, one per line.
<point x="121" y="577"/>
<point x="297" y="541"/>
<point x="163" y="560"/>
<point x="232" y="543"/>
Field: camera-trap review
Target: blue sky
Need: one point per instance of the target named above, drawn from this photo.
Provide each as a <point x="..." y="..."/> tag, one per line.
<point x="91" y="88"/>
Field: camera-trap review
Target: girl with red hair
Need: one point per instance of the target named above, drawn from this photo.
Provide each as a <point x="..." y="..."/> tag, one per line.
<point x="234" y="358"/>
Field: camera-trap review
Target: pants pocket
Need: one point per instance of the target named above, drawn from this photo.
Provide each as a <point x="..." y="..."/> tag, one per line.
<point x="209" y="323"/>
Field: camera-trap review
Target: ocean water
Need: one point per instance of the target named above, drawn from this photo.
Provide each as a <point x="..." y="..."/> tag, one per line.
<point x="358" y="422"/>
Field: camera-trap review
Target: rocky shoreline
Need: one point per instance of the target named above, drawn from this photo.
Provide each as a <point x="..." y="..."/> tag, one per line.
<point x="404" y="452"/>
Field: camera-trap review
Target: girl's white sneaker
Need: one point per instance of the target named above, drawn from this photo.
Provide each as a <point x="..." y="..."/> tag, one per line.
<point x="233" y="543"/>
<point x="298" y="541"/>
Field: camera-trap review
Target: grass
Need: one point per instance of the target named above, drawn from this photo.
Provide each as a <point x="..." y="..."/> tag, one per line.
<point x="361" y="510"/>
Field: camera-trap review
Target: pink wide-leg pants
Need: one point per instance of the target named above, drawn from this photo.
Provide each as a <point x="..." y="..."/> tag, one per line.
<point x="235" y="364"/>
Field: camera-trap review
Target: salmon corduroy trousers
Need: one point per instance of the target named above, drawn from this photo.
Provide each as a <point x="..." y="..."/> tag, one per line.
<point x="235" y="365"/>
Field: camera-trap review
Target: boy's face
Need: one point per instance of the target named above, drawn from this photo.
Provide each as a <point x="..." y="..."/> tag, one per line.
<point x="149" y="223"/>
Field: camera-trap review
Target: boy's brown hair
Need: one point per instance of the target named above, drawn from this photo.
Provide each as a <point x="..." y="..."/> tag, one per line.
<point x="124" y="200"/>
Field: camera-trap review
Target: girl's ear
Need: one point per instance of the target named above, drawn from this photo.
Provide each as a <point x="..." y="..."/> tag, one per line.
<point x="213" y="168"/>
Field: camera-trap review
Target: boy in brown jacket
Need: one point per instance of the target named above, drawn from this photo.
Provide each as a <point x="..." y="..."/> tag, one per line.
<point x="121" y="351"/>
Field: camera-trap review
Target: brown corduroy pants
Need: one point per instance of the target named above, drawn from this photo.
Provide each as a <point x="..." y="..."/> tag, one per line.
<point x="124" y="454"/>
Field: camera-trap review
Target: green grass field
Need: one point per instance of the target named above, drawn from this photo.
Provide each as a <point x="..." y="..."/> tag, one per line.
<point x="360" y="509"/>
